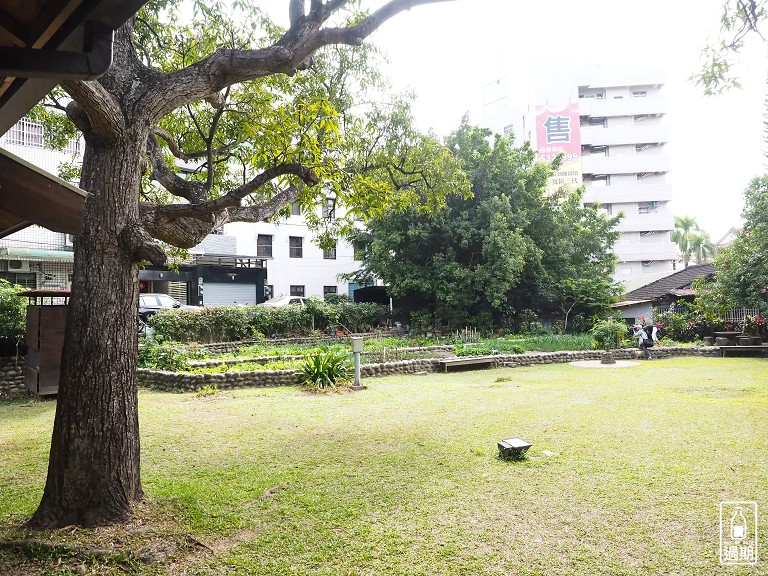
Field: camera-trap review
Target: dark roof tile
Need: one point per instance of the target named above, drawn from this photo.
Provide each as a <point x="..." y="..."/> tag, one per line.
<point x="675" y="282"/>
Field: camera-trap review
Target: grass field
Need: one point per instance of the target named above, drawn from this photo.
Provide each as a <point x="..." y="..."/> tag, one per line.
<point x="627" y="469"/>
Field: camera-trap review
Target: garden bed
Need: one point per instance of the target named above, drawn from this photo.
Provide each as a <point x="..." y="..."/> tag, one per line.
<point x="183" y="381"/>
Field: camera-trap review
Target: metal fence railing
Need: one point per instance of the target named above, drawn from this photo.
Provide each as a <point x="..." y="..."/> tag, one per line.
<point x="737" y="315"/>
<point x="734" y="316"/>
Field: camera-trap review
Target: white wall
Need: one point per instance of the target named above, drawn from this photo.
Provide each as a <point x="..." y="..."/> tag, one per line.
<point x="311" y="270"/>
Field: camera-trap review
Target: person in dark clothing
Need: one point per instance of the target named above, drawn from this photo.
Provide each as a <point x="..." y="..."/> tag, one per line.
<point x="643" y="342"/>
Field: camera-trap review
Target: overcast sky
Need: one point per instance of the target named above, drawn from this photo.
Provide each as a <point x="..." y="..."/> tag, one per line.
<point x="446" y="52"/>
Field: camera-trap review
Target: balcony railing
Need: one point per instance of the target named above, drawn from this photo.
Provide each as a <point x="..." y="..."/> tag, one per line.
<point x="629" y="164"/>
<point x="635" y="134"/>
<point x="623" y="194"/>
<point x="646" y="251"/>
<point x="647" y="222"/>
<point x="609" y="107"/>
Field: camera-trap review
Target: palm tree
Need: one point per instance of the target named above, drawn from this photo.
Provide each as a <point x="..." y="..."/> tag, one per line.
<point x="701" y="246"/>
<point x="684" y="227"/>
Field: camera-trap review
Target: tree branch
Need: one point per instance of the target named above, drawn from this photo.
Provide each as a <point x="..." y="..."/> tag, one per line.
<point x="204" y="210"/>
<point x="181" y="232"/>
<point x="320" y="11"/>
<point x="168" y="179"/>
<point x="185" y="231"/>
<point x="209" y="139"/>
<point x="296" y="13"/>
<point x="104" y="116"/>
<point x="355" y="35"/>
<point x="135" y="241"/>
<point x="226" y="66"/>
<point x="174" y="149"/>
<point x="267" y="210"/>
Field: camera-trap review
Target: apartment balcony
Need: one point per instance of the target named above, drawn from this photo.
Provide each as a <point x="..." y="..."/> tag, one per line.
<point x="654" y="221"/>
<point x="634" y="134"/>
<point x="626" y="164"/>
<point x="624" y="194"/>
<point x="651" y="251"/>
<point x="622" y="106"/>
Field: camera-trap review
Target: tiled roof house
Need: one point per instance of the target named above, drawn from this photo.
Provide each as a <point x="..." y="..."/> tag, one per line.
<point x="639" y="303"/>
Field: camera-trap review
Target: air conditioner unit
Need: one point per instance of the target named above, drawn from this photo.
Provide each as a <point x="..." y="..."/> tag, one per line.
<point x="18" y="266"/>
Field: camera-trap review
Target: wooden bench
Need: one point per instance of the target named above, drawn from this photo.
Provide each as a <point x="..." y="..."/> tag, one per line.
<point x="489" y="361"/>
<point x="762" y="349"/>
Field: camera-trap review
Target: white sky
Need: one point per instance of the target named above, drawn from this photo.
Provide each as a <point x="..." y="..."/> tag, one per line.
<point x="446" y="52"/>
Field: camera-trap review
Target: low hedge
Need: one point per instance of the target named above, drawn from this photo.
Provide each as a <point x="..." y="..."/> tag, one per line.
<point x="234" y="323"/>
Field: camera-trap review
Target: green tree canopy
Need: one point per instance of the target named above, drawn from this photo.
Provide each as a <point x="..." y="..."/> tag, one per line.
<point x="507" y="248"/>
<point x="685" y="227"/>
<point x="742" y="268"/>
<point x="700" y="244"/>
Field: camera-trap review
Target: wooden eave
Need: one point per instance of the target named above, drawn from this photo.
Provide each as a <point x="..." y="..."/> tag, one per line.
<point x="28" y="194"/>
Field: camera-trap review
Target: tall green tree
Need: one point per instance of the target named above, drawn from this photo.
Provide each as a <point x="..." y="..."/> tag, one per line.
<point x="702" y="249"/>
<point x="507" y="248"/>
<point x="227" y="118"/>
<point x="685" y="226"/>
<point x="741" y="278"/>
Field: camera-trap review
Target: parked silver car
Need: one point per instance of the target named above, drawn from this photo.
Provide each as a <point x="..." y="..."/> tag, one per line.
<point x="152" y="302"/>
<point x="284" y="301"/>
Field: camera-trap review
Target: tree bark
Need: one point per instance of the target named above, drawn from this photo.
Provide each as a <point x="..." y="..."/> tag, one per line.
<point x="93" y="471"/>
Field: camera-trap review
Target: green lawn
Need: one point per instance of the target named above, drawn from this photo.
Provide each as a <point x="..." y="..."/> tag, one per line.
<point x="403" y="478"/>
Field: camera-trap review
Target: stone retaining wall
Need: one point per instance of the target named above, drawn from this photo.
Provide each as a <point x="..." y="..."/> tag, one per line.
<point x="172" y="381"/>
<point x="12" y="376"/>
<point x="181" y="382"/>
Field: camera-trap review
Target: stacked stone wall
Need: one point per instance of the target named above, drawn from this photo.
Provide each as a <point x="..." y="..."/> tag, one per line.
<point x="174" y="381"/>
<point x="12" y="376"/>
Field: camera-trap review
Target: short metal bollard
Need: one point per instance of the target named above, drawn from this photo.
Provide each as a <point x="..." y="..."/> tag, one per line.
<point x="357" y="349"/>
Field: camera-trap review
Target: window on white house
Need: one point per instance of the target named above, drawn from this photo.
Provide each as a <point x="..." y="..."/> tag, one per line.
<point x="264" y="245"/>
<point x="295" y="247"/>
<point x="330" y="253"/>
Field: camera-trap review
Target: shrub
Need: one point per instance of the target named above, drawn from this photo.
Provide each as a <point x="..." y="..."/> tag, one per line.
<point x="755" y="326"/>
<point x="322" y="370"/>
<point x="233" y="323"/>
<point x="609" y="333"/>
<point x="362" y="316"/>
<point x="13" y="310"/>
<point x="473" y="350"/>
<point x="505" y="346"/>
<point x="171" y="356"/>
<point x="689" y="322"/>
<point x="336" y="298"/>
<point x="207" y="390"/>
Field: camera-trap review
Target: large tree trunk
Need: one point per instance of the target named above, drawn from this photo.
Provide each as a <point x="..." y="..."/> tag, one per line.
<point x="93" y="472"/>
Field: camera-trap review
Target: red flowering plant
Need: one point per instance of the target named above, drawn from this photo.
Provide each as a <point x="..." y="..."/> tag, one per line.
<point x="755" y="326"/>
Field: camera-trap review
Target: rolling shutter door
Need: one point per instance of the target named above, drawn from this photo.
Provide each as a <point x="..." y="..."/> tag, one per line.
<point x="220" y="294"/>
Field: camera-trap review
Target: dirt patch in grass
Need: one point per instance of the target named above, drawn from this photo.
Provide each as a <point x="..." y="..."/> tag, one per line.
<point x="149" y="541"/>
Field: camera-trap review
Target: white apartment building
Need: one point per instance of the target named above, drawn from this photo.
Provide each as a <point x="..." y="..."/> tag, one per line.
<point x="296" y="266"/>
<point x="38" y="258"/>
<point x="623" y="161"/>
